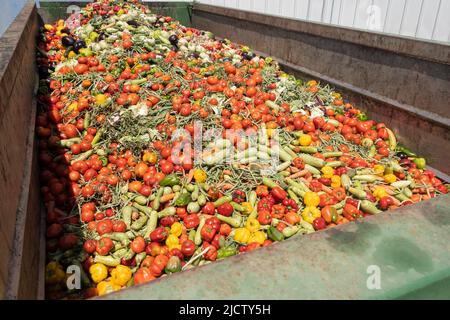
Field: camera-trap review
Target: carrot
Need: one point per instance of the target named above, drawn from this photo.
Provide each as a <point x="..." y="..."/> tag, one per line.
<point x="227" y="186"/>
<point x="167" y="197"/>
<point x="299" y="174"/>
<point x="190" y="176"/>
<point x="326" y="189"/>
<point x="227" y="172"/>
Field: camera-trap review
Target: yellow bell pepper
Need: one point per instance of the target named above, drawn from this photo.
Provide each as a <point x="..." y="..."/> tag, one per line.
<point x="258" y="237"/>
<point x="380" y="192"/>
<point x="378" y="169"/>
<point x="242" y="235"/>
<point x="327" y="172"/>
<point x="252" y="224"/>
<point x="305" y="140"/>
<point x="248" y="207"/>
<point x="389" y="178"/>
<point x="309" y="214"/>
<point x="48" y="27"/>
<point x="311" y="199"/>
<point x="121" y="275"/>
<point x="172" y="242"/>
<point x="73" y="106"/>
<point x="98" y="272"/>
<point x="54" y="273"/>
<point x="72" y="54"/>
<point x="105" y="287"/>
<point x="199" y="176"/>
<point x="176" y="229"/>
<point x="335" y="181"/>
<point x="100" y="99"/>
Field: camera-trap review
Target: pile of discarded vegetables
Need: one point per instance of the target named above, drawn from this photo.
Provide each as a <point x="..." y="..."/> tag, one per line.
<point x="127" y="206"/>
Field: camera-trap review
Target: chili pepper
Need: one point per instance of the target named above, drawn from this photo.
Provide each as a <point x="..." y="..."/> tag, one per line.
<point x="226" y="252"/>
<point x="408" y="152"/>
<point x="170" y="180"/>
<point x="275" y="234"/>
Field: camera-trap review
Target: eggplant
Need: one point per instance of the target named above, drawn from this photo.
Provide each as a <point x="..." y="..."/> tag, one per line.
<point x="133" y="23"/>
<point x="65" y="30"/>
<point x="402" y="155"/>
<point x="175" y="48"/>
<point x="79" y="44"/>
<point x="173" y="39"/>
<point x="101" y="37"/>
<point x="67" y="41"/>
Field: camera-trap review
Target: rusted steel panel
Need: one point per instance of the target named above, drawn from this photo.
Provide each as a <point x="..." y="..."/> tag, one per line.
<point x="402" y="82"/>
<point x="19" y="192"/>
<point x="410" y="247"/>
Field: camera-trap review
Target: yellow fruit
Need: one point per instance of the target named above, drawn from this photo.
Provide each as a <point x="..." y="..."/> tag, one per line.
<point x="98" y="272"/>
<point x="305" y="140"/>
<point x="311" y="199"/>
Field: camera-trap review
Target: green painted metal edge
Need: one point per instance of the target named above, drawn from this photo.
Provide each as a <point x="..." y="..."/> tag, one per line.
<point x="410" y="246"/>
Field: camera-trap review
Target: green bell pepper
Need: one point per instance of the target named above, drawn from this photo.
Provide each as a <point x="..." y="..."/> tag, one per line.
<point x="170" y="180"/>
<point x="274" y="234"/>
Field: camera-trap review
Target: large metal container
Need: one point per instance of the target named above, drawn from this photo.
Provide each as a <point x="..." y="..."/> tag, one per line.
<point x="402" y="82"/>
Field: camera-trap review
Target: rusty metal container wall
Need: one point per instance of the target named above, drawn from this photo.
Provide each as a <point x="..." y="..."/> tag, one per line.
<point x="402" y="82"/>
<point x="19" y="190"/>
<point x="19" y="196"/>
